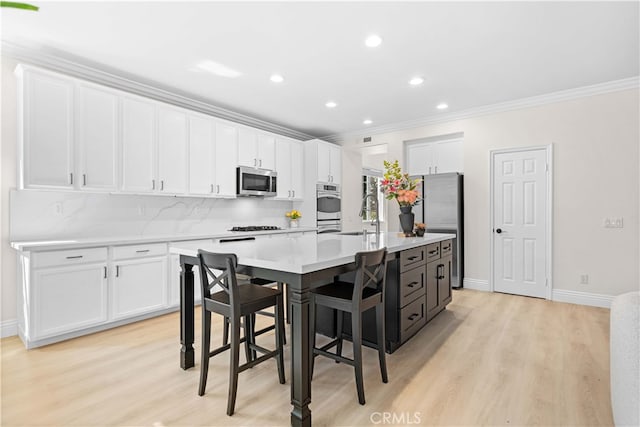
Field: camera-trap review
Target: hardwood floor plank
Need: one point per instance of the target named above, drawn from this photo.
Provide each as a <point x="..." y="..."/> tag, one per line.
<point x="489" y="359"/>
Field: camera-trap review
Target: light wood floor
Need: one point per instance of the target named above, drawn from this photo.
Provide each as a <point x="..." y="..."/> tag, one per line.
<point x="489" y="359"/>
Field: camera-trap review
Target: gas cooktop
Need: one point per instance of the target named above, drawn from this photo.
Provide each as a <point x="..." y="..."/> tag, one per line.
<point x="256" y="228"/>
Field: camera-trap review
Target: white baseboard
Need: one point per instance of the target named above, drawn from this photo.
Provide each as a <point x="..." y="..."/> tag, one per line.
<point x="476" y="284"/>
<point x="8" y="328"/>
<point x="582" y="298"/>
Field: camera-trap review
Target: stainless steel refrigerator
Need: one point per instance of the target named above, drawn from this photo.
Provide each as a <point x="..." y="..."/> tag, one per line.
<point x="442" y="211"/>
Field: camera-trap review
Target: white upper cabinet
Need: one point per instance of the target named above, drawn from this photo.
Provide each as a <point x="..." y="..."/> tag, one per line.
<point x="289" y="165"/>
<point x="434" y="157"/>
<point x="97" y="137"/>
<point x="201" y="155"/>
<point x="138" y="145"/>
<point x="172" y="150"/>
<point x="329" y="162"/>
<point x="47" y="130"/>
<point x="256" y="150"/>
<point x="226" y="159"/>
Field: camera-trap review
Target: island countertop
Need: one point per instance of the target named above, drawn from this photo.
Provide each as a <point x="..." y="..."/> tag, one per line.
<point x="307" y="253"/>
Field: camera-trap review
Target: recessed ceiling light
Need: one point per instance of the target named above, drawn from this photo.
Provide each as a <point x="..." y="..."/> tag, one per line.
<point x="331" y="104"/>
<point x="373" y="41"/>
<point x="217" y="69"/>
<point x="416" y="81"/>
<point x="442" y="106"/>
<point x="367" y="122"/>
<point x="277" y="78"/>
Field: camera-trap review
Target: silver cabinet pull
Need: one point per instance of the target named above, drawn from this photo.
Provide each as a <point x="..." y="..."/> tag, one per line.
<point x="105" y="272"/>
<point x="294" y="193"/>
<point x="84" y="179"/>
<point x="142" y="251"/>
<point x="218" y="188"/>
<point x="429" y="170"/>
<point x="289" y="192"/>
<point x="74" y="257"/>
<point x="153" y="184"/>
<point x="71" y="178"/>
<point x="211" y="188"/>
<point x="436" y="169"/>
<point x="255" y="162"/>
<point x="260" y="163"/>
<point x="161" y="184"/>
<point x="117" y="271"/>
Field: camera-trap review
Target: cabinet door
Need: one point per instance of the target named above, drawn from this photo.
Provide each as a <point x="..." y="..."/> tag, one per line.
<point x="48" y="131"/>
<point x="247" y="148"/>
<point x="433" y="299"/>
<point x="172" y="150"/>
<point x="444" y="281"/>
<point x="139" y="286"/>
<point x="138" y="142"/>
<point x="420" y="159"/>
<point x="297" y="170"/>
<point x="226" y="160"/>
<point x="97" y="133"/>
<point x="283" y="168"/>
<point x="335" y="153"/>
<point x="266" y="152"/>
<point x="201" y="155"/>
<point x="449" y="156"/>
<point x="324" y="162"/>
<point x="68" y="298"/>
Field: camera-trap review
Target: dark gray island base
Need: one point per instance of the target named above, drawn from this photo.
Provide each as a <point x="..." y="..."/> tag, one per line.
<point x="418" y="288"/>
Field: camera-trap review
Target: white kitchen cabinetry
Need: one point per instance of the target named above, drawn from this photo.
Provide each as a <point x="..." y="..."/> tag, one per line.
<point x="138" y="145"/>
<point x="226" y="159"/>
<point x="201" y="155"/>
<point x="289" y="166"/>
<point x="46" y="125"/>
<point x="139" y="286"/>
<point x="256" y="149"/>
<point x="172" y="150"/>
<point x="435" y="157"/>
<point x="329" y="162"/>
<point x="97" y="137"/>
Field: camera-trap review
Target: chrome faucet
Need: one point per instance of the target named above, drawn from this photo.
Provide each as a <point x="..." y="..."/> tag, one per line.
<point x="363" y="209"/>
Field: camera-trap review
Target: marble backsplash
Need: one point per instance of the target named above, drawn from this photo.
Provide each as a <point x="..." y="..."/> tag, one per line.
<point x="46" y="215"/>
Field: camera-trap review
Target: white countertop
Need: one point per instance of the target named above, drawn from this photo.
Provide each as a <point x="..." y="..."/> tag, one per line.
<point x="49" y="245"/>
<point x="307" y="253"/>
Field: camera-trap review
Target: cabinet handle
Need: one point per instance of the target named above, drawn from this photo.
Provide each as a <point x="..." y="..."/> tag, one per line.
<point x="117" y="271"/>
<point x="142" y="251"/>
<point x="413" y="316"/>
<point x="212" y="188"/>
<point x="412" y="284"/>
<point x="74" y="257"/>
<point x="84" y="179"/>
<point x="153" y="184"/>
<point x="436" y="169"/>
<point x="218" y="188"/>
<point x="294" y="193"/>
<point x="260" y="163"/>
<point x="440" y="276"/>
<point x="161" y="184"/>
<point x="71" y="178"/>
<point x="435" y="251"/>
<point x="411" y="258"/>
<point x="255" y="162"/>
<point x="289" y="193"/>
<point x="105" y="272"/>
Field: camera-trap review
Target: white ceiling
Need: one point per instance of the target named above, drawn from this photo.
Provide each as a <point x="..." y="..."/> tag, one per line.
<point x="470" y="54"/>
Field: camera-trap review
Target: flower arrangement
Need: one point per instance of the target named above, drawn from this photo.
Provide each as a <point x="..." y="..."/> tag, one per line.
<point x="399" y="186"/>
<point x="293" y="214"/>
<point x="420" y="225"/>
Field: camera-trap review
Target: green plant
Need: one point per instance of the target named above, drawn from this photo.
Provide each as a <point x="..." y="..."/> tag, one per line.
<point x="15" y="5"/>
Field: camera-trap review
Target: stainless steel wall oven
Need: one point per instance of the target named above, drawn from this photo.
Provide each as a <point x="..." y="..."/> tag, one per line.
<point x="328" y="216"/>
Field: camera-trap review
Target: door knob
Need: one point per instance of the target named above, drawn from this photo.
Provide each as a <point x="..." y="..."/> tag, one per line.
<point x="498" y="230"/>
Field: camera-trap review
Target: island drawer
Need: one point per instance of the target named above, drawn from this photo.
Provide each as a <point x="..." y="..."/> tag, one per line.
<point x="412" y="285"/>
<point x="411" y="257"/>
<point x="69" y="257"/>
<point x="433" y="252"/>
<point x="139" y="251"/>
<point x="445" y="247"/>
<point x="412" y="318"/>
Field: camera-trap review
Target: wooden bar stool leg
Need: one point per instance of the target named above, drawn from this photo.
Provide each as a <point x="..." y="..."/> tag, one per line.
<point x="225" y="331"/>
<point x="356" y="333"/>
<point x="204" y="354"/>
<point x="280" y="337"/>
<point x="381" y="342"/>
<point x="340" y="319"/>
<point x="235" y="363"/>
<point x="248" y="337"/>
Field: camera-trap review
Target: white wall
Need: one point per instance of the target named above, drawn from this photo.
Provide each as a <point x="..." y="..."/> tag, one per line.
<point x="596" y="152"/>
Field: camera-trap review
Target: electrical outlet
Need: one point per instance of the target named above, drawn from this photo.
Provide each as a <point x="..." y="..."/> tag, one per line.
<point x="584" y="279"/>
<point x="141" y="210"/>
<point x="57" y="209"/>
<point x="613" y="222"/>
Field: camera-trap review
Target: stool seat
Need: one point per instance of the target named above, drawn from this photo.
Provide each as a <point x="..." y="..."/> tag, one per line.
<point x="250" y="297"/>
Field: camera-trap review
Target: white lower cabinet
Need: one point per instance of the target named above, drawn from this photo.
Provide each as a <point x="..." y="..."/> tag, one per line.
<point x="66" y="299"/>
<point x="139" y="286"/>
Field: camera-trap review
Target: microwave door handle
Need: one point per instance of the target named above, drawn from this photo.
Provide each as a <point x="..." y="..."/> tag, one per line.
<point x="328" y="196"/>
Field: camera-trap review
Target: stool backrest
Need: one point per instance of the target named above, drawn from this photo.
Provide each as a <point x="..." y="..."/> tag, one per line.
<point x="371" y="272"/>
<point x="226" y="265"/>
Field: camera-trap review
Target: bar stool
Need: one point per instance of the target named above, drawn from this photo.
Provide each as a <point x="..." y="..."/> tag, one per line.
<point x="366" y="292"/>
<point x="236" y="302"/>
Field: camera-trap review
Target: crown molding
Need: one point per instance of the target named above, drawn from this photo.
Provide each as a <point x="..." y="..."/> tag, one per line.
<point x="564" y="95"/>
<point x="44" y="58"/>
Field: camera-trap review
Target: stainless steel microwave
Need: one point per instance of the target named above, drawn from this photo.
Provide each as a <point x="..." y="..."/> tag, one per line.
<point x="256" y="182"/>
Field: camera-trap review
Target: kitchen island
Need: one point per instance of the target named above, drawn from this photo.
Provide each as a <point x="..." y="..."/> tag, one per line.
<point x="305" y="262"/>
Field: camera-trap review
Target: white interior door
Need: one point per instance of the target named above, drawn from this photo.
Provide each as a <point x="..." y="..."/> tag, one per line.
<point x="520" y="222"/>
